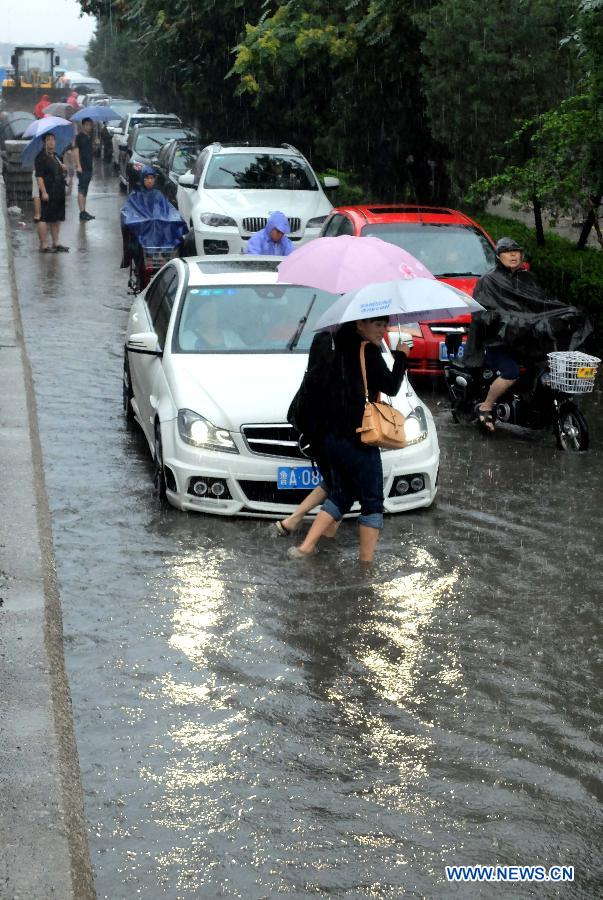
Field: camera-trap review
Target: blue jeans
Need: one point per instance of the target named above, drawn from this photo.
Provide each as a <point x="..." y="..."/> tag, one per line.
<point x="356" y="474"/>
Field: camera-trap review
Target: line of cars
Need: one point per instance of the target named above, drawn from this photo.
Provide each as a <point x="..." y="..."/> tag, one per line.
<point x="208" y="374"/>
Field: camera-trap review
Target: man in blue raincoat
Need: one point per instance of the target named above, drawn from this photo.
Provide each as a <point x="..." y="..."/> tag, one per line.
<point x="272" y="240"/>
<point x="149" y="220"/>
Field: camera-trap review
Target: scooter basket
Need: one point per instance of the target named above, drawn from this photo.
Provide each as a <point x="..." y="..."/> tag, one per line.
<point x="156" y="257"/>
<point x="573" y="372"/>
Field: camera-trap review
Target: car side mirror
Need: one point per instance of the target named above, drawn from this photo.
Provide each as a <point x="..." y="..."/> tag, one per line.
<point x="144" y="342"/>
<point x="330" y="183"/>
<point x="187" y="180"/>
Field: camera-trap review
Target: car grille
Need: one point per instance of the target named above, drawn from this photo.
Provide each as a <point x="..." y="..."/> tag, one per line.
<point x="258" y="222"/>
<point x="272" y="440"/>
<point x="268" y="492"/>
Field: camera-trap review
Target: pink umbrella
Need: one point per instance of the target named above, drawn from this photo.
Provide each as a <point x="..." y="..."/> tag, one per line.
<point x="346" y="263"/>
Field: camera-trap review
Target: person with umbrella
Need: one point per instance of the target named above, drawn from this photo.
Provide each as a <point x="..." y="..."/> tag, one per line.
<point x="50" y="175"/>
<point x="356" y="472"/>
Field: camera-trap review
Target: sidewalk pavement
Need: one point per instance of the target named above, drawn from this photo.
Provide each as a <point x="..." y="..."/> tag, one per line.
<point x="43" y="845"/>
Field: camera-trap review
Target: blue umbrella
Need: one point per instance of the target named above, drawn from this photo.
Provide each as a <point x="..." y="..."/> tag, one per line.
<point x="62" y="130"/>
<point x="96" y="113"/>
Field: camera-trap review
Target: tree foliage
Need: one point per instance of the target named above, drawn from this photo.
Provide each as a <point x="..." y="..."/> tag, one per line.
<point x="417" y="98"/>
<point x="487" y="66"/>
<point x="562" y="169"/>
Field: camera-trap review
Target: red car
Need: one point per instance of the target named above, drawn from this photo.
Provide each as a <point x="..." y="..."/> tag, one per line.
<point x="452" y="246"/>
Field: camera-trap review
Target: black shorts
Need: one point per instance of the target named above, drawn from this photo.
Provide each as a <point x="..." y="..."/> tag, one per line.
<point x="53" y="209"/>
<point x="83" y="181"/>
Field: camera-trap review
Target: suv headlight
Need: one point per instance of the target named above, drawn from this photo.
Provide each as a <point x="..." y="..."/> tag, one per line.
<point x="415" y="426"/>
<point x="195" y="430"/>
<point x="316" y="222"/>
<point x="216" y="221"/>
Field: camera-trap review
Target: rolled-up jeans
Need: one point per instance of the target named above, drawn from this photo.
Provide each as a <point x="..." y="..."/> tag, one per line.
<point x="356" y="474"/>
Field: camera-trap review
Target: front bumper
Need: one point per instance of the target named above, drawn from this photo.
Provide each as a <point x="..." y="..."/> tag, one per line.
<point x="214" y="241"/>
<point x="251" y="479"/>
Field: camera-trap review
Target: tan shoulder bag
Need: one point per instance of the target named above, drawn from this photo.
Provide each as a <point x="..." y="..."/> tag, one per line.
<point x="382" y="425"/>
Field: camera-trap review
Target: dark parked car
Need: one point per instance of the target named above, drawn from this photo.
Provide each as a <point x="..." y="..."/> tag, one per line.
<point x="123" y="132"/>
<point x="143" y="146"/>
<point x="174" y="159"/>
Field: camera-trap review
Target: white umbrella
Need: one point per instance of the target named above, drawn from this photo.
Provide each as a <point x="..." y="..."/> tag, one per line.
<point x="412" y="300"/>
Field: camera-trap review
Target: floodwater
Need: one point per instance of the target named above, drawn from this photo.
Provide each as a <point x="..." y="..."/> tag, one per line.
<point x="249" y="727"/>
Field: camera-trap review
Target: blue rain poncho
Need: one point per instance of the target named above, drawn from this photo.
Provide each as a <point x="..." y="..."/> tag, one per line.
<point x="151" y="218"/>
<point x="261" y="243"/>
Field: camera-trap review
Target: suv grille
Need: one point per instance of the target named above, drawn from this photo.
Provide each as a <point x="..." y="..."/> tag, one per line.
<point x="258" y="222"/>
<point x="272" y="440"/>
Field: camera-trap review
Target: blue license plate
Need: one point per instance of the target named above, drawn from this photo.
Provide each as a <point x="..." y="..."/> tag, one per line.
<point x="296" y="478"/>
<point x="444" y="356"/>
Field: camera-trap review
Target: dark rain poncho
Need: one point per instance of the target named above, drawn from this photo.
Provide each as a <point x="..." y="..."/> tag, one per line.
<point x="520" y="316"/>
<point x="149" y="219"/>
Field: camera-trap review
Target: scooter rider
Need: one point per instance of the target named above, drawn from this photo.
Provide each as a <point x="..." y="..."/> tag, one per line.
<point x="512" y="281"/>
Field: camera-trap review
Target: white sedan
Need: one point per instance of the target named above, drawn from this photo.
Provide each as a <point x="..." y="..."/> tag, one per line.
<point x="209" y="377"/>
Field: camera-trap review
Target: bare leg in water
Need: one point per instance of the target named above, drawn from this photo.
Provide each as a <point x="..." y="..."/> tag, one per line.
<point x="498" y="387"/>
<point x="314" y="498"/>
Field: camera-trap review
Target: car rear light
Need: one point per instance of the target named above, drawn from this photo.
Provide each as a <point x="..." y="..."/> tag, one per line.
<point x="410" y="327"/>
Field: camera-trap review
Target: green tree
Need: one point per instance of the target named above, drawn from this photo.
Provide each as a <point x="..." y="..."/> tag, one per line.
<point x="344" y="77"/>
<point x="488" y="66"/>
<point x="562" y="169"/>
<point x="177" y="53"/>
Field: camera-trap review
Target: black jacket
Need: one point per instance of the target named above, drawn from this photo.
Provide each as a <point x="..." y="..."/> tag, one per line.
<point x="518" y="314"/>
<point x="346" y="392"/>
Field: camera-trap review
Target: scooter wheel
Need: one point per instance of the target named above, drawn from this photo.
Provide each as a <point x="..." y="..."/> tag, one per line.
<point x="571" y="429"/>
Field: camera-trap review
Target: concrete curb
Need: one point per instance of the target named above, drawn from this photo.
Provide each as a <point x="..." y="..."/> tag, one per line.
<point x="43" y="843"/>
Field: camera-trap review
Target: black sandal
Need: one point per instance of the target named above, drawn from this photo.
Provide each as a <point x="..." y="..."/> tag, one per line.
<point x="485" y="418"/>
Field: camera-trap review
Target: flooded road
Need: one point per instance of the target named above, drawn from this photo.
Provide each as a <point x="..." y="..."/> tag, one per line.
<point x="253" y="728"/>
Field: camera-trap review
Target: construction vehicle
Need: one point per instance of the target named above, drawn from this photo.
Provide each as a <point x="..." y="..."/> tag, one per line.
<point x="33" y="74"/>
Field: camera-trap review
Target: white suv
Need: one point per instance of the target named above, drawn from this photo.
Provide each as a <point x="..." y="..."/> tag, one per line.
<point x="232" y="190"/>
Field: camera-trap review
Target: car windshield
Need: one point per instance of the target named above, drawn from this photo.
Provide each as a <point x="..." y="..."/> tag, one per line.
<point x="446" y="250"/>
<point x="248" y="318"/>
<point x="145" y="120"/>
<point x="259" y="172"/>
<point x="150" y="141"/>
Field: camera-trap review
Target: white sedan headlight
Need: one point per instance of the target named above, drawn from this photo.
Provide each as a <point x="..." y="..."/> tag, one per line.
<point x="415" y="426"/>
<point x="216" y="221"/>
<point x="198" y="431"/>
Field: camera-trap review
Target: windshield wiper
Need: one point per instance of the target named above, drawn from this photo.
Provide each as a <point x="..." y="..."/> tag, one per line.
<point x="294" y="341"/>
<point x="458" y="275"/>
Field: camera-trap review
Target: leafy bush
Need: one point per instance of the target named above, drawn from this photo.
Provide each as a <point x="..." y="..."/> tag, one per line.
<point x="575" y="276"/>
<point x="349" y="192"/>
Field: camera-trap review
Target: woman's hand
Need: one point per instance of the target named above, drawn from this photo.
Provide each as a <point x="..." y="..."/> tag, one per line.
<point x="405" y="348"/>
<point x="44" y="196"/>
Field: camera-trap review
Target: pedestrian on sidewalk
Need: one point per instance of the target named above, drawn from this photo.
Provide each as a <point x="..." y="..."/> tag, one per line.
<point x="83" y="167"/>
<point x="50" y="175"/>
